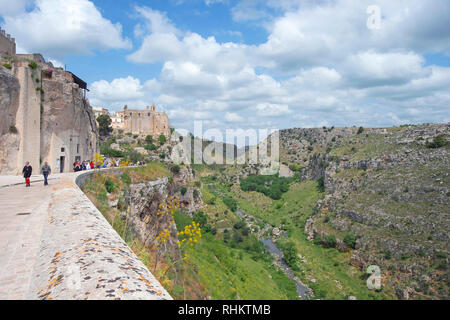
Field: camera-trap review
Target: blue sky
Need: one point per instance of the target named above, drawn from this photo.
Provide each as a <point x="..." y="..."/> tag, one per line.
<point x="250" y="63"/>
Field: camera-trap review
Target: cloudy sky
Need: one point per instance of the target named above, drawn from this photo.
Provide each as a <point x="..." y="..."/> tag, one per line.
<point x="250" y="63"/>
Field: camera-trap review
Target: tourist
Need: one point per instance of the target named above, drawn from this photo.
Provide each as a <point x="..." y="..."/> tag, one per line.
<point x="46" y="170"/>
<point x="83" y="166"/>
<point x="92" y="165"/>
<point x="27" y="170"/>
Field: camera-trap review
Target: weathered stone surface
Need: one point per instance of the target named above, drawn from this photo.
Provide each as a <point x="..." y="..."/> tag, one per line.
<point x="72" y="251"/>
<point x="53" y="119"/>
<point x="9" y="104"/>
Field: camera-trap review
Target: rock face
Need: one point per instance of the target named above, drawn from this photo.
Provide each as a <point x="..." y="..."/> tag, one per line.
<point x="67" y="121"/>
<point x="45" y="117"/>
<point x="145" y="199"/>
<point x="9" y="104"/>
<point x="145" y="220"/>
<point x="387" y="188"/>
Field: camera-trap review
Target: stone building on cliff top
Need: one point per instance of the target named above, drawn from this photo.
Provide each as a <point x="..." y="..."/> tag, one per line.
<point x="45" y="115"/>
<point x="142" y="122"/>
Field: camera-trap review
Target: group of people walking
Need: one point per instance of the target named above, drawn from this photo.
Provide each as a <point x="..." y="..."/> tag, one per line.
<point x="28" y="171"/>
<point x="77" y="166"/>
<point x="85" y="165"/>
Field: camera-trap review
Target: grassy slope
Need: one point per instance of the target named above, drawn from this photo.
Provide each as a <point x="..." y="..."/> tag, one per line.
<point x="230" y="272"/>
<point x="323" y="265"/>
<point x="96" y="192"/>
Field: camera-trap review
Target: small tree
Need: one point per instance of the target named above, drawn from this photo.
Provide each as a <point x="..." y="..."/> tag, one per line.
<point x="149" y="139"/>
<point x="360" y="130"/>
<point x="162" y="139"/>
<point x="104" y="125"/>
<point x="330" y="241"/>
<point x="350" y="240"/>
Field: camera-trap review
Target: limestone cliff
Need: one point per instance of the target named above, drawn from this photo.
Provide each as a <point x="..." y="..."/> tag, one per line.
<point x="9" y="104"/>
<point x="386" y="198"/>
<point x="67" y="119"/>
<point x="44" y="117"/>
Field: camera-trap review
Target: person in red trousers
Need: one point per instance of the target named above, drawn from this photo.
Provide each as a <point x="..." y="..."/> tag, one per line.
<point x="27" y="170"/>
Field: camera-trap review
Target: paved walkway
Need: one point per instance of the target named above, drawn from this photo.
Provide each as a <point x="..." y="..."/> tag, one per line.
<point x="54" y="244"/>
<point x="22" y="216"/>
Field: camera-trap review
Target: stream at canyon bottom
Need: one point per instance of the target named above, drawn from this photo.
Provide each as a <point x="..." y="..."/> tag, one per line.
<point x="303" y="291"/>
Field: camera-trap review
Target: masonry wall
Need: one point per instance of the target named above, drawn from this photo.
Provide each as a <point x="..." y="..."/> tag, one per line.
<point x="28" y="116"/>
<point x="7" y="44"/>
<point x="146" y="122"/>
<point x="62" y="130"/>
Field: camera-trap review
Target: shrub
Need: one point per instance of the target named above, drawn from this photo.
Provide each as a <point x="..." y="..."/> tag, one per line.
<point x="270" y="186"/>
<point x="321" y="184"/>
<point x="387" y="255"/>
<point x="360" y="130"/>
<point x="162" y="139"/>
<point x="239" y="225"/>
<point x="230" y="203"/>
<point x="183" y="190"/>
<point x="438" y="142"/>
<point x="317" y="240"/>
<point x="330" y="241"/>
<point x="149" y="139"/>
<point x="201" y="218"/>
<point x="125" y="178"/>
<point x="109" y="185"/>
<point x="176" y="169"/>
<point x="7" y="66"/>
<point x="350" y="240"/>
<point x="112" y="153"/>
<point x="33" y="64"/>
<point x="12" y="129"/>
<point x="150" y="147"/>
<point x="289" y="253"/>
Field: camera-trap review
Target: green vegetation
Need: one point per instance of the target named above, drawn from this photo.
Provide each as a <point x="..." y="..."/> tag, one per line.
<point x="33" y="64"/>
<point x="13" y="129"/>
<point x="271" y="186"/>
<point x="350" y="240"/>
<point x="438" y="142"/>
<point x="150" y="147"/>
<point x="236" y="266"/>
<point x="109" y="185"/>
<point x="162" y="139"/>
<point x="230" y="203"/>
<point x="290" y="253"/>
<point x="7" y="66"/>
<point x="104" y="125"/>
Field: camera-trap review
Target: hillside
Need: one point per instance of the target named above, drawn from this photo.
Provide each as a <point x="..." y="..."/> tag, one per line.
<point x="387" y="194"/>
<point x="348" y="198"/>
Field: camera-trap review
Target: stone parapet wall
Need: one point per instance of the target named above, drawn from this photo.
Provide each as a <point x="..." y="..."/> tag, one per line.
<point x="82" y="257"/>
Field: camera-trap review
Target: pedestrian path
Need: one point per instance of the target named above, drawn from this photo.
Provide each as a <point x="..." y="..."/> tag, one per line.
<point x="9" y="181"/>
<point x="54" y="244"/>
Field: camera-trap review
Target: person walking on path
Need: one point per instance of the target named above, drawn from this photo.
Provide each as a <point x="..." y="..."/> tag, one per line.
<point x="46" y="170"/>
<point x="27" y="170"/>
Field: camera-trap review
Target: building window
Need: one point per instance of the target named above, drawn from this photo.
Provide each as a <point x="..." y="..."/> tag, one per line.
<point x="78" y="148"/>
<point x="63" y="149"/>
